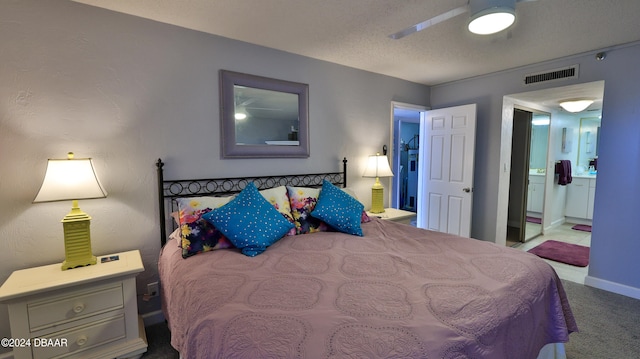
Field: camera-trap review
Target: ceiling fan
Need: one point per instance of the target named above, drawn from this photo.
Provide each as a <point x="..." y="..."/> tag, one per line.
<point x="487" y="17"/>
<point x="245" y="109"/>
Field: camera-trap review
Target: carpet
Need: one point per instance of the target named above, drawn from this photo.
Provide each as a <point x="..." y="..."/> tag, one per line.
<point x="582" y="227"/>
<point x="608" y="324"/>
<point x="534" y="220"/>
<point x="568" y="253"/>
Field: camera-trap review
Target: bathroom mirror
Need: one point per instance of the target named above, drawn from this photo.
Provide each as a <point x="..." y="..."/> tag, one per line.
<point x="539" y="142"/>
<point x="262" y="117"/>
<point x="538" y="148"/>
<point x="588" y="141"/>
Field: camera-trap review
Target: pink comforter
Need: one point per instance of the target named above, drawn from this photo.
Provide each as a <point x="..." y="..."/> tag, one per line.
<point x="397" y="292"/>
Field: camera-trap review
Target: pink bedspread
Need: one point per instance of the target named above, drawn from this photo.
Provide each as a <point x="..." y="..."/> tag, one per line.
<point x="397" y="292"/>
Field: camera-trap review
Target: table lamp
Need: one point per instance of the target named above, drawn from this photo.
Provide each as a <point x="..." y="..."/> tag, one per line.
<point x="73" y="179"/>
<point x="378" y="166"/>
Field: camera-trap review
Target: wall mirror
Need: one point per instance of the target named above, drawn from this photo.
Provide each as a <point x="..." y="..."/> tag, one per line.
<point x="263" y="117"/>
<point x="539" y="142"/>
<point x="588" y="141"/>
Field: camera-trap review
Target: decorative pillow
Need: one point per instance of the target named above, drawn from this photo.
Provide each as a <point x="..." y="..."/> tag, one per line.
<point x="303" y="200"/>
<point x="338" y="209"/>
<point x="249" y="221"/>
<point x="280" y="200"/>
<point x="176" y="217"/>
<point x="197" y="234"/>
<point x="176" y="236"/>
<point x="365" y="217"/>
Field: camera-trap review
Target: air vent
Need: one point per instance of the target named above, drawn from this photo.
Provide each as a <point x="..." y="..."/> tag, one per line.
<point x="558" y="74"/>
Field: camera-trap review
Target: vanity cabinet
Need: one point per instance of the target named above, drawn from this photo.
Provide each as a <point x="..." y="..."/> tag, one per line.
<point x="580" y="195"/>
<point x="535" y="193"/>
<point x="592" y="193"/>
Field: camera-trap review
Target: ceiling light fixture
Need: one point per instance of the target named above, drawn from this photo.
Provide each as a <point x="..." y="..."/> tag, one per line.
<point x="541" y="121"/>
<point x="576" y="105"/>
<point x="491" y="16"/>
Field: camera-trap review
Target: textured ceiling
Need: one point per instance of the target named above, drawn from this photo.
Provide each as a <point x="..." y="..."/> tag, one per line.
<point x="355" y="32"/>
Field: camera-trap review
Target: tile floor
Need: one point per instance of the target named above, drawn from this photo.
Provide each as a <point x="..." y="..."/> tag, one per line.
<point x="563" y="233"/>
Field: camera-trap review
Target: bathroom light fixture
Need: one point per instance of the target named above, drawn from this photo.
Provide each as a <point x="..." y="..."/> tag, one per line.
<point x="73" y="179"/>
<point x="576" y="105"/>
<point x="540" y="121"/>
<point x="491" y="16"/>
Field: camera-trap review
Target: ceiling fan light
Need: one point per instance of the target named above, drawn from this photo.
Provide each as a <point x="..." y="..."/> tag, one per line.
<point x="491" y="16"/>
<point x="492" y="21"/>
<point x="577" y="105"/>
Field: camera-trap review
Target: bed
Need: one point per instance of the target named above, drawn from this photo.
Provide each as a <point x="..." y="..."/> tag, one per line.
<point x="396" y="291"/>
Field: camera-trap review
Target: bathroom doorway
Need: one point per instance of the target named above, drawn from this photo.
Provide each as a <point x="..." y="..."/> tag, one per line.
<point x="564" y="144"/>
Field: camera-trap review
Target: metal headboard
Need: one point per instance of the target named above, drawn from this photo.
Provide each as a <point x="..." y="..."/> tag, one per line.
<point x="170" y="190"/>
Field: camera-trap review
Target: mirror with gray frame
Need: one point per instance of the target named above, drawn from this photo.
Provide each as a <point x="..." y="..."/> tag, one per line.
<point x="263" y="117"/>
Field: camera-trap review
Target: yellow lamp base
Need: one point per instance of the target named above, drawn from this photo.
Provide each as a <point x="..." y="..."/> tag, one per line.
<point x="377" y="197"/>
<point x="77" y="239"/>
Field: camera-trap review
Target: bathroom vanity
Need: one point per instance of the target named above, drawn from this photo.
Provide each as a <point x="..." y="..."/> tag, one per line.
<point x="580" y="195"/>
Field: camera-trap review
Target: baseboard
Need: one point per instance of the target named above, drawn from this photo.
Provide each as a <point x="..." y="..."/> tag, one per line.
<point x="574" y="220"/>
<point x="612" y="287"/>
<point x="151" y="318"/>
<point x="557" y="223"/>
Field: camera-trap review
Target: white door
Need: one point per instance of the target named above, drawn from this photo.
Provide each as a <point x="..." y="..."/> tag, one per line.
<point x="445" y="179"/>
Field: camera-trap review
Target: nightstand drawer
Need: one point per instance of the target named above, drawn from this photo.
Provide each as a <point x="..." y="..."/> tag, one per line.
<point x="80" y="339"/>
<point x="74" y="305"/>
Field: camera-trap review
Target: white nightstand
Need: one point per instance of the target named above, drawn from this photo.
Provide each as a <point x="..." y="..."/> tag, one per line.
<point x="396" y="215"/>
<point x="86" y="312"/>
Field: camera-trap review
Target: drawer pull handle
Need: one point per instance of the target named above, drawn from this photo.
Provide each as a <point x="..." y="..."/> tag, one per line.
<point x="82" y="340"/>
<point x="78" y="308"/>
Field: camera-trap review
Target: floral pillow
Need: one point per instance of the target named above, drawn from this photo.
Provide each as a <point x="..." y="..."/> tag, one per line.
<point x="303" y="200"/>
<point x="199" y="235"/>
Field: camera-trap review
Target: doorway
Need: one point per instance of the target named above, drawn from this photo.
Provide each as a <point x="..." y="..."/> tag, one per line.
<point x="565" y="125"/>
<point x="404" y="156"/>
<point x="444" y="171"/>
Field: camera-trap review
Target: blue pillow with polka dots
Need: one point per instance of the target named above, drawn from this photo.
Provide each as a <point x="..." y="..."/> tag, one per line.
<point x="338" y="209"/>
<point x="249" y="221"/>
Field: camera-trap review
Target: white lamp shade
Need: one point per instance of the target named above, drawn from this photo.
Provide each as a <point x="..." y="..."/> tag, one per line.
<point x="70" y="179"/>
<point x="378" y="166"/>
<point x="576" y="105"/>
<point x="491" y="16"/>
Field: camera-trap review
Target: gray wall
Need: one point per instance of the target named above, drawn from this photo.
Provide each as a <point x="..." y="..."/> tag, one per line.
<point x="615" y="245"/>
<point x="127" y="91"/>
